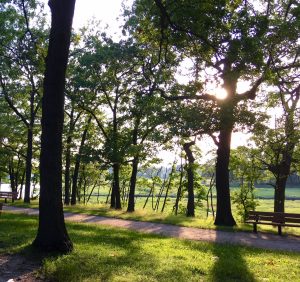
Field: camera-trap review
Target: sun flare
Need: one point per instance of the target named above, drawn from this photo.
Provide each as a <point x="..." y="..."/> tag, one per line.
<point x="221" y="93"/>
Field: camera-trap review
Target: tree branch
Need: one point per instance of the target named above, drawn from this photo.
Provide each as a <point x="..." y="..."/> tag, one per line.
<point x="10" y="103"/>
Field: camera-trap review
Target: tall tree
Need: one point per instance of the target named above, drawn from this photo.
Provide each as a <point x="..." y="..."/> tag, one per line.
<point x="22" y="56"/>
<point x="52" y="234"/>
<point x="279" y="143"/>
<point x="229" y="41"/>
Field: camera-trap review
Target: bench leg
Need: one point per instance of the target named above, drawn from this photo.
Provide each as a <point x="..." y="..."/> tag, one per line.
<point x="254" y="227"/>
<point x="279" y="230"/>
<point x="5" y="201"/>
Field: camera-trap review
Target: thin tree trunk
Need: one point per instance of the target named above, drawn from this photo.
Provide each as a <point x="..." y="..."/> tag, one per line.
<point x="68" y="159"/>
<point x="77" y="163"/>
<point x="161" y="191"/>
<point x="28" y="166"/>
<point x="52" y="234"/>
<point x="168" y="186"/>
<point x="22" y="184"/>
<point x="94" y="186"/>
<point x="190" y="209"/>
<point x="179" y="191"/>
<point x="134" y="172"/>
<point x="109" y="193"/>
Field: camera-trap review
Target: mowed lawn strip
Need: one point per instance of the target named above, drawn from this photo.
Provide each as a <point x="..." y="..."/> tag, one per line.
<point x="112" y="254"/>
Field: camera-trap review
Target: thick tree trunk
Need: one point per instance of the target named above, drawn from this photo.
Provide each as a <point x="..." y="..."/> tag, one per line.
<point x="223" y="214"/>
<point x="52" y="234"/>
<point x="134" y="172"/>
<point x="287" y="155"/>
<point x="282" y="176"/>
<point x="28" y="165"/>
<point x="190" y="209"/>
<point x="115" y="193"/>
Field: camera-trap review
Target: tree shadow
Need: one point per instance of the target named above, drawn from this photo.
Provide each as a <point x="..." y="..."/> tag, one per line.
<point x="119" y="255"/>
<point x="229" y="263"/>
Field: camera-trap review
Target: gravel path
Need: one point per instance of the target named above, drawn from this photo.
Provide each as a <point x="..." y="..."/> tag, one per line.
<point x="259" y="240"/>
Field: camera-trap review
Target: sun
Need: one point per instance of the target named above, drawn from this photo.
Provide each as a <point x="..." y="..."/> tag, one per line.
<point x="221" y="93"/>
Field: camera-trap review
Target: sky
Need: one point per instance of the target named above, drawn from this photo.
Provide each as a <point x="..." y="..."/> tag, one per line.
<point x="107" y="11"/>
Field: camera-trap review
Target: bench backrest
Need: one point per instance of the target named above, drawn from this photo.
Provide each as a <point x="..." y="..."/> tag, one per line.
<point x="277" y="217"/>
<point x="13" y="195"/>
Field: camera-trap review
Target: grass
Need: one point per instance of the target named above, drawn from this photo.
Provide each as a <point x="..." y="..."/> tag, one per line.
<point x="200" y="221"/>
<point x="110" y="254"/>
<point x="268" y="192"/>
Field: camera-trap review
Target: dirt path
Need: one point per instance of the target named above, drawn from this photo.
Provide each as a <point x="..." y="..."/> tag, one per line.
<point x="19" y="268"/>
<point x="259" y="240"/>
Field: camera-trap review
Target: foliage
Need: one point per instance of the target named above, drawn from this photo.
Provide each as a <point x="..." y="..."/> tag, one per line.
<point x="245" y="201"/>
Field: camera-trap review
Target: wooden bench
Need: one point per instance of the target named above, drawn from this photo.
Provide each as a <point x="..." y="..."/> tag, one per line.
<point x="279" y="219"/>
<point x="9" y="195"/>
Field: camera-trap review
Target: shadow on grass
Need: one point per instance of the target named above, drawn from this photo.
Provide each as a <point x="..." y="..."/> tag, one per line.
<point x="229" y="263"/>
<point x="99" y="255"/>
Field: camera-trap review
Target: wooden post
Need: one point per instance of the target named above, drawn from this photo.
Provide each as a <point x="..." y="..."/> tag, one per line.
<point x="279" y="230"/>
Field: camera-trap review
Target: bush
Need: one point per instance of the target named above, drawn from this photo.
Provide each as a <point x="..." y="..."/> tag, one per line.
<point x="245" y="201"/>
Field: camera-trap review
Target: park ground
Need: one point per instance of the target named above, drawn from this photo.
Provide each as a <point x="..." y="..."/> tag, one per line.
<point x="105" y="253"/>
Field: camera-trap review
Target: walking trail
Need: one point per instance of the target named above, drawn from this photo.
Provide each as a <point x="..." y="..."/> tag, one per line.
<point x="259" y="240"/>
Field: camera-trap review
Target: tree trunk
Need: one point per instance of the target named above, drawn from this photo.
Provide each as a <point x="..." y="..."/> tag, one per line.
<point x="28" y="165"/>
<point x="52" y="234"/>
<point x="282" y="176"/>
<point x="12" y="177"/>
<point x="77" y="164"/>
<point x="134" y="172"/>
<point x="67" y="171"/>
<point x="179" y="191"/>
<point x="223" y="214"/>
<point x="115" y="193"/>
<point x="190" y="209"/>
<point x="22" y="184"/>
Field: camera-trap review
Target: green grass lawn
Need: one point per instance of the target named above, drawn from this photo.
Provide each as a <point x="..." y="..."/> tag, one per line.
<point x="110" y="254"/>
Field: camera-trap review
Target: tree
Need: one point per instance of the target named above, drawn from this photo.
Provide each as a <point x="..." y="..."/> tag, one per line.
<point x="52" y="234"/>
<point x="278" y="141"/>
<point x="230" y="41"/>
<point x="22" y="55"/>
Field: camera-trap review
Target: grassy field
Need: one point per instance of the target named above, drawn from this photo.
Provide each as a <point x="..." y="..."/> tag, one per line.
<point x="107" y="254"/>
<point x="268" y="192"/>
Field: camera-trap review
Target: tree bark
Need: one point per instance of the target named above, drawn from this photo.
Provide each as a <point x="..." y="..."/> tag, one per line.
<point x="134" y="172"/>
<point x="52" y="234"/>
<point x="282" y="176"/>
<point x="28" y="165"/>
<point x="115" y="193"/>
<point x="77" y="164"/>
<point x="190" y="209"/>
<point x="68" y="159"/>
<point x="223" y="214"/>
